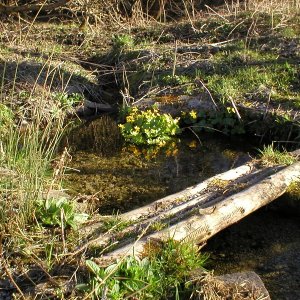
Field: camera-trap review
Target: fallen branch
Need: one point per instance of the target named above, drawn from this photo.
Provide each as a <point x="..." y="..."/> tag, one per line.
<point x="211" y="220"/>
<point x="97" y="106"/>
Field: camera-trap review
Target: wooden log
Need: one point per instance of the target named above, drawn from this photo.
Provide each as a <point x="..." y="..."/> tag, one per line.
<point x="209" y="221"/>
<point x="178" y="212"/>
<point x="165" y="203"/>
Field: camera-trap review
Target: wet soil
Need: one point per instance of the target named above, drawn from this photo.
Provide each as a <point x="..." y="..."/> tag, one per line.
<point x="267" y="242"/>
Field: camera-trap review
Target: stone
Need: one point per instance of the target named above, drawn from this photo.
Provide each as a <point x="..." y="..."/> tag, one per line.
<point x="237" y="286"/>
<point x="246" y="281"/>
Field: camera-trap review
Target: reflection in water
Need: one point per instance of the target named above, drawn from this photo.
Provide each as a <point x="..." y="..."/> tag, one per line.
<point x="123" y="177"/>
<point x="153" y="151"/>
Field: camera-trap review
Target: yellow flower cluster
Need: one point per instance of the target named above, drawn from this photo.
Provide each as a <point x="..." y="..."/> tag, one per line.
<point x="130" y="119"/>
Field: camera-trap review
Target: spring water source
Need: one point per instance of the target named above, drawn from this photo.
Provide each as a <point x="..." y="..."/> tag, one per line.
<point x="122" y="177"/>
<point x="117" y="178"/>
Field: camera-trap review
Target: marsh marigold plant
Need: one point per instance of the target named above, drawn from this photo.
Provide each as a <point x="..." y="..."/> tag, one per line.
<point x="149" y="127"/>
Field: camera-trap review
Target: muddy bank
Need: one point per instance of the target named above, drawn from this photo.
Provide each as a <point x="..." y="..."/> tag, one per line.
<point x="267" y="242"/>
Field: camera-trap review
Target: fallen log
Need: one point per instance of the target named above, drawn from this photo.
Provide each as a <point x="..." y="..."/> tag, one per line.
<point x="211" y="220"/>
<point x="167" y="202"/>
<point x="180" y="211"/>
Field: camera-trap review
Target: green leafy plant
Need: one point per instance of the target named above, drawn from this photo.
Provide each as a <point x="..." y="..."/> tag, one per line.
<point x="160" y="275"/>
<point x="120" y="280"/>
<point x="122" y="42"/>
<point x="59" y="212"/>
<point x="225" y="121"/>
<point x="149" y="127"/>
<point x="67" y="101"/>
<point x="175" y="80"/>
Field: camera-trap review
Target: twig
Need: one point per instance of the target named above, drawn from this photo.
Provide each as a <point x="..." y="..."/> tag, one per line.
<point x="175" y="60"/>
<point x="235" y="108"/>
<point x="208" y="7"/>
<point x="12" y="280"/>
<point x="197" y="81"/>
<point x="190" y="128"/>
<point x="7" y="271"/>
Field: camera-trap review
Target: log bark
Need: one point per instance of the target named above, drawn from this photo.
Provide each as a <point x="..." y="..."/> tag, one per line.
<point x="209" y="221"/>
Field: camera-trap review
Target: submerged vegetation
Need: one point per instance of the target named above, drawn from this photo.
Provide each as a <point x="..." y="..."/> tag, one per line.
<point x="233" y="56"/>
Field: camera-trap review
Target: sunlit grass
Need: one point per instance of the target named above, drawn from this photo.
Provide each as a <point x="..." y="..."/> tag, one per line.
<point x="270" y="157"/>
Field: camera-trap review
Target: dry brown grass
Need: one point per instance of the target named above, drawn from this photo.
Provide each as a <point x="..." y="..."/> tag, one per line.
<point x="212" y="288"/>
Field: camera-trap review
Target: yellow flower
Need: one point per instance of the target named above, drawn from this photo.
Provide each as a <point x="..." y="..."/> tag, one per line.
<point x="136" y="129"/>
<point x="193" y="114"/>
<point x="129" y="119"/>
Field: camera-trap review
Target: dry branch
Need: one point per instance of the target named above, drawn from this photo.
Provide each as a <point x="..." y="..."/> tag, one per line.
<point x="209" y="221"/>
<point x="97" y="106"/>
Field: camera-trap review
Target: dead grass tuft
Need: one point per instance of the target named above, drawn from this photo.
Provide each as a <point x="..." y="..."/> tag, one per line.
<point x="212" y="288"/>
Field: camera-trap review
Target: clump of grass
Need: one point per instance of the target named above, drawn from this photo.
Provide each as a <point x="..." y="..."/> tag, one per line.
<point x="270" y="157"/>
<point x="238" y="82"/>
<point x="160" y="275"/>
<point x="115" y="223"/>
<point x="6" y="119"/>
<point x="29" y="143"/>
